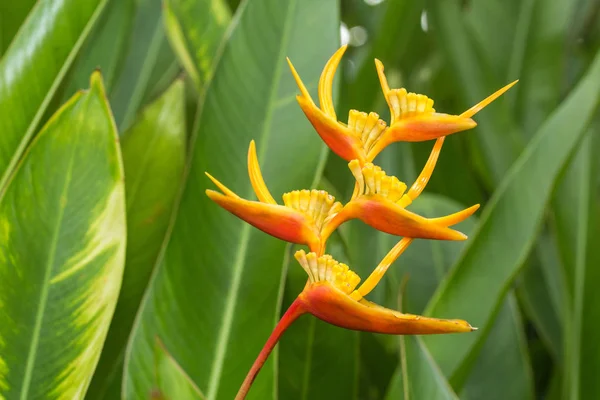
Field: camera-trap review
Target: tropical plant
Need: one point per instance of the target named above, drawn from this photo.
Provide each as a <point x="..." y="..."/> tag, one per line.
<point x="120" y="278"/>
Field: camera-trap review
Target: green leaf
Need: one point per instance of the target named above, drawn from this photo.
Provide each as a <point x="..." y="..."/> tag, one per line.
<point x="154" y="158"/>
<point x="105" y="48"/>
<point x="147" y="49"/>
<point x="222" y="275"/>
<point x="62" y="251"/>
<point x="50" y="37"/>
<point x="172" y="383"/>
<point x="195" y="29"/>
<point x="508" y="227"/>
<point x="495" y="139"/>
<point x="12" y="14"/>
<point x="418" y="377"/>
<point x="577" y="221"/>
<point x="502" y="370"/>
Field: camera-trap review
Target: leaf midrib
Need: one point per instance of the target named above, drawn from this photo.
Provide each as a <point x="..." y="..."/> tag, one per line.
<point x="238" y="267"/>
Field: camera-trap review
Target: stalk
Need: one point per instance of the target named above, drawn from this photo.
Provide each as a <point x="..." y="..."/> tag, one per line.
<point x="292" y="313"/>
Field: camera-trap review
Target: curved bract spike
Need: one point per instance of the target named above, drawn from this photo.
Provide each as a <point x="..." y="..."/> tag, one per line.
<point x="455" y="218"/>
<point x="256" y="178"/>
<point x="326" y="82"/>
<point x="385" y="87"/>
<point x="375" y="277"/>
<point x="300" y="84"/>
<point x="417" y="188"/>
<point x="482" y="104"/>
<point x="222" y="187"/>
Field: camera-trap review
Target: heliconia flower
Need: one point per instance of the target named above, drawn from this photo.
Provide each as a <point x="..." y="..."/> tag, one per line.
<point x="413" y="118"/>
<point x="301" y="218"/>
<point x="331" y="296"/>
<point x="380" y="201"/>
<point x="365" y="135"/>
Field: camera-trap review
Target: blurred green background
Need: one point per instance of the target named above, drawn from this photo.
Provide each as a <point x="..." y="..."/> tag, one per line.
<point x="191" y="82"/>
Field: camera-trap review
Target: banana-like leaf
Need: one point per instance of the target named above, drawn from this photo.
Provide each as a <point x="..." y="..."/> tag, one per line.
<point x="172" y="383"/>
<point x="195" y="29"/>
<point x="508" y="227"/>
<point x="50" y="37"/>
<point x="215" y="300"/>
<point x="154" y="158"/>
<point x="62" y="251"/>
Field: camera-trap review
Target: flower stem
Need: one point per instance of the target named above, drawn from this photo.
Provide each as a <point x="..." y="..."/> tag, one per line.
<point x="292" y="313"/>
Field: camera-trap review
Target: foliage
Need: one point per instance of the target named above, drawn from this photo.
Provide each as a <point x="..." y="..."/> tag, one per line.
<point x="119" y="278"/>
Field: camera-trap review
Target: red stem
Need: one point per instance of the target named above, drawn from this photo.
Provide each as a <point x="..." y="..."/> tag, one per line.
<point x="290" y="316"/>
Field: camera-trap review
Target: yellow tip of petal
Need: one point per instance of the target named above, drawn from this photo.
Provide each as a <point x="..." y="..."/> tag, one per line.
<point x="482" y="104"/>
<point x="326" y="82"/>
<point x="222" y="187"/>
<point x="256" y="178"/>
<point x="299" y="82"/>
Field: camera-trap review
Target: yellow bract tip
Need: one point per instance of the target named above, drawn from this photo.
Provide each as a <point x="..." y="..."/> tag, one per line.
<point x="299" y="82"/>
<point x="326" y="82"/>
<point x="256" y="178"/>
<point x="222" y="187"/>
<point x="482" y="104"/>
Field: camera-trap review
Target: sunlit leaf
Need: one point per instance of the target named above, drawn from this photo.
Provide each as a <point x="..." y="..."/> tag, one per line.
<point x="62" y="251"/>
<point x="50" y="37"/>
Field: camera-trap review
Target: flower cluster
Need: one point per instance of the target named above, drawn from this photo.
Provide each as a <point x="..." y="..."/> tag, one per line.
<point x="309" y="217"/>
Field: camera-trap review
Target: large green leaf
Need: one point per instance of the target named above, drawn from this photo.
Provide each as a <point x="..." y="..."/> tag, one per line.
<point x="50" y="37"/>
<point x="154" y="158"/>
<point x="195" y="29"/>
<point x="215" y="299"/>
<point x="62" y="251"/>
<point x="509" y="225"/>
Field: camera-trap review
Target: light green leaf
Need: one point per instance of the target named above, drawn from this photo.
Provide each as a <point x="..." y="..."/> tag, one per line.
<point x="50" y="37"/>
<point x="195" y="29"/>
<point x="172" y="383"/>
<point x="62" y="251"/>
<point x="509" y="225"/>
<point x="215" y="300"/>
<point x="154" y="158"/>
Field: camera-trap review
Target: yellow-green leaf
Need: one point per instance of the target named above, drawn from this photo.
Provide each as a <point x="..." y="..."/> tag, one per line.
<point x="62" y="250"/>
